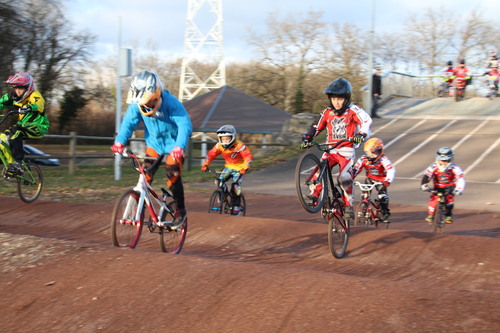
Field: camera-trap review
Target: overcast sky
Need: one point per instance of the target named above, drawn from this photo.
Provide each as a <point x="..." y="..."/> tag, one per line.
<point x="163" y="21"/>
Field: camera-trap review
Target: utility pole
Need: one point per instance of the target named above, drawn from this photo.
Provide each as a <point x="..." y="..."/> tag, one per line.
<point x="204" y="48"/>
<point x="369" y="100"/>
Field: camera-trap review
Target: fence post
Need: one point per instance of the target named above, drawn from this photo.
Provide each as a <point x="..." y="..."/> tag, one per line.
<point x="72" y="153"/>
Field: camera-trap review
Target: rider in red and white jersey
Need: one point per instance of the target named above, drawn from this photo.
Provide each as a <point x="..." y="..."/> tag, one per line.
<point x="448" y="178"/>
<point x="342" y="120"/>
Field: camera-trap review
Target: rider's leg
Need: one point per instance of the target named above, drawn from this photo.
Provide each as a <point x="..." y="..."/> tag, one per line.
<point x="6" y="150"/>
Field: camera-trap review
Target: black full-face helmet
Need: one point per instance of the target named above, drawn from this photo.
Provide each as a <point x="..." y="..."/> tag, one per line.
<point x="339" y="88"/>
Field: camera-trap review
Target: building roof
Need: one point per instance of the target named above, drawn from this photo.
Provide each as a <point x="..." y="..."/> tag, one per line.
<point x="228" y="105"/>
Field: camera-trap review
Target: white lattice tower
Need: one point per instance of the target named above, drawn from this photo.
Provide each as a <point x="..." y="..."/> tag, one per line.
<point x="202" y="47"/>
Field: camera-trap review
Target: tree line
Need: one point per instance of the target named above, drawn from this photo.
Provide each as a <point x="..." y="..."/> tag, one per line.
<point x="293" y="60"/>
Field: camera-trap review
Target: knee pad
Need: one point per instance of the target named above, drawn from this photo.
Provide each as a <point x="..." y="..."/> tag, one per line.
<point x="383" y="197"/>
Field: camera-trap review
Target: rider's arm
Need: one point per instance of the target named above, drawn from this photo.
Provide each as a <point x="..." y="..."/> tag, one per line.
<point x="363" y="121"/>
<point x="358" y="166"/>
<point x="459" y="178"/>
<point x="317" y="126"/>
<point x="389" y="169"/>
<point x="247" y="156"/>
<point x="129" y="124"/>
<point x="212" y="154"/>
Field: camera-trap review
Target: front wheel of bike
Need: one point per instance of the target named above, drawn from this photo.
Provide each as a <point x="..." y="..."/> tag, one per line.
<point x="172" y="240"/>
<point x="360" y="213"/>
<point x="216" y="202"/>
<point x="243" y="205"/>
<point x="311" y="190"/>
<point x="338" y="235"/>
<point x="125" y="230"/>
<point x="30" y="183"/>
<point x="438" y="220"/>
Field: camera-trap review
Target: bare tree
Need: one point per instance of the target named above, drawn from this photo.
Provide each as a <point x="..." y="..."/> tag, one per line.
<point x="429" y="37"/>
<point x="48" y="46"/>
<point x="289" y="50"/>
<point x="474" y="36"/>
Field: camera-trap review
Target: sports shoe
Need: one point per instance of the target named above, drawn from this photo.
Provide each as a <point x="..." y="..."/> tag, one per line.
<point x="385" y="218"/>
<point x="314" y="200"/>
<point x="429" y="218"/>
<point x="236" y="210"/>
<point x="448" y="219"/>
<point x="179" y="218"/>
<point x="349" y="213"/>
<point x="16" y="168"/>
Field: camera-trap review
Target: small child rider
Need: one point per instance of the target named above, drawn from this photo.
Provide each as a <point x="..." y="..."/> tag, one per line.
<point x="32" y="122"/>
<point x="342" y="120"/>
<point x="448" y="179"/>
<point x="238" y="159"/>
<point x="378" y="168"/>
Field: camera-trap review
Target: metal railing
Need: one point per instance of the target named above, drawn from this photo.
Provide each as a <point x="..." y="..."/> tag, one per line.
<point x="398" y="84"/>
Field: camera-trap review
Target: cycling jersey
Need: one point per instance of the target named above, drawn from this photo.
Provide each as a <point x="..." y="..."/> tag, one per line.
<point x="453" y="176"/>
<point x="381" y="170"/>
<point x="237" y="157"/>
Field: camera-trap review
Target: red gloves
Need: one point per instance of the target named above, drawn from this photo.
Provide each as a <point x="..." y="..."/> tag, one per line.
<point x="177" y="153"/>
<point x="204" y="168"/>
<point x="243" y="171"/>
<point x="386" y="183"/>
<point x="118" y="148"/>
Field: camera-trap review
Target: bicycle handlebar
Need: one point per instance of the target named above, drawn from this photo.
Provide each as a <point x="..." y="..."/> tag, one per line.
<point x="365" y="187"/>
<point x="5" y="116"/>
<point x="328" y="145"/>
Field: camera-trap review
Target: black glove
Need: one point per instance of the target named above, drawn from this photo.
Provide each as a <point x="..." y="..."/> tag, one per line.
<point x="306" y="141"/>
<point x="306" y="138"/>
<point x="25" y="110"/>
<point x="358" y="138"/>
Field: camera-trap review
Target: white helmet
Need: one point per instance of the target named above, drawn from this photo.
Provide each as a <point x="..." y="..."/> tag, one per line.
<point x="226" y="130"/>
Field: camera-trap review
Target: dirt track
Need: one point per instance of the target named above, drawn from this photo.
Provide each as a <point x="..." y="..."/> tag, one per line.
<point x="268" y="272"/>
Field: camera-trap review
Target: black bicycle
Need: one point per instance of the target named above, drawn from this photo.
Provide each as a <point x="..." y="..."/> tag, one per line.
<point x="318" y="191"/>
<point x="221" y="199"/>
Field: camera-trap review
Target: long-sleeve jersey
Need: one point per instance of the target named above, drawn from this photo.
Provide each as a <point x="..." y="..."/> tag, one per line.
<point x="37" y="115"/>
<point x="381" y="170"/>
<point x="453" y="176"/>
<point x="170" y="127"/>
<point x="462" y="72"/>
<point x="353" y="121"/>
<point x="237" y="157"/>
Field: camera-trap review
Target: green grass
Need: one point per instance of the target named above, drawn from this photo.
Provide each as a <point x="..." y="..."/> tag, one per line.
<point x="96" y="183"/>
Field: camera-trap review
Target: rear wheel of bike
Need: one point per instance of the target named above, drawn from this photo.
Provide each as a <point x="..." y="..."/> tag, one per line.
<point x="125" y="231"/>
<point x="216" y="202"/>
<point x="360" y="213"/>
<point x="171" y="241"/>
<point x="30" y="184"/>
<point x="307" y="183"/>
<point x="338" y="235"/>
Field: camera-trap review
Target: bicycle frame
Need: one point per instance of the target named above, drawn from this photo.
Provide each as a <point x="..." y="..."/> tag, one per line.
<point x="333" y="195"/>
<point x="439" y="212"/>
<point x="226" y="199"/>
<point x="147" y="195"/>
<point x="129" y="213"/>
<point x="368" y="211"/>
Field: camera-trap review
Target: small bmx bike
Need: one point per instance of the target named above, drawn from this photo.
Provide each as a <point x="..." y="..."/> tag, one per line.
<point x="221" y="199"/>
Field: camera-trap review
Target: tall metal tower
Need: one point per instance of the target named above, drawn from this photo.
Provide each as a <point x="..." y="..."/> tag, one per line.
<point x="202" y="48"/>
